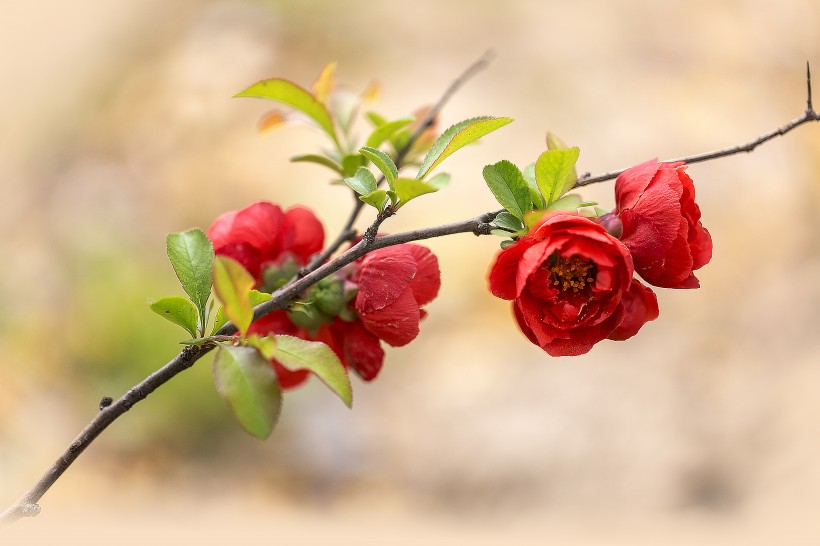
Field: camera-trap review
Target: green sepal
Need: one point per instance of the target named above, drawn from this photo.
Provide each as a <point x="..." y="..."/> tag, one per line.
<point x="385" y="130"/>
<point x="289" y="93"/>
<point x="181" y="311"/>
<point x="376" y="198"/>
<point x="506" y="244"/>
<point x="456" y="137"/>
<point x="297" y="354"/>
<point x="192" y="254"/>
<point x="408" y="189"/>
<point x="507" y="183"/>
<point x="246" y="380"/>
<point x="319" y="160"/>
<point x="363" y="182"/>
<point x="555" y="172"/>
<point x="383" y="162"/>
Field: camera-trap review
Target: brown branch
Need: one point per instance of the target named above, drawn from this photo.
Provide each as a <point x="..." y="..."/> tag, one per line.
<point x="808" y="115"/>
<point x="27" y="505"/>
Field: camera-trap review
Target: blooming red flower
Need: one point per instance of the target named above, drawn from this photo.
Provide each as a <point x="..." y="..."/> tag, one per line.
<point x="571" y="285"/>
<point x="263" y="234"/>
<point x="661" y="223"/>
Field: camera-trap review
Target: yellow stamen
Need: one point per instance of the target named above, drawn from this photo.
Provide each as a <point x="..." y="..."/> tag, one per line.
<point x="573" y="273"/>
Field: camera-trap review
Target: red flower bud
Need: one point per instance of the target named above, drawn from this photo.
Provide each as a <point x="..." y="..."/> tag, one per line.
<point x="661" y="224"/>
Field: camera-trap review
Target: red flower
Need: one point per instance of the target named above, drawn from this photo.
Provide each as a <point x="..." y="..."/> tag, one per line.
<point x="394" y="283"/>
<point x="571" y="285"/>
<point x="262" y="234"/>
<point x="661" y="224"/>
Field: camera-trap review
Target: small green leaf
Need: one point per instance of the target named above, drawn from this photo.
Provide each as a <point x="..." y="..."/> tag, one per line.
<point x="535" y="194"/>
<point x="351" y="163"/>
<point x="382" y="162"/>
<point x="507" y="221"/>
<point x="439" y="181"/>
<point x="297" y="354"/>
<point x="569" y="202"/>
<point x="555" y="172"/>
<point x="266" y="345"/>
<point x="256" y="297"/>
<point x="394" y="197"/>
<point x="363" y="182"/>
<point x="506" y="244"/>
<point x="291" y="94"/>
<point x="509" y="187"/>
<point x="408" y="189"/>
<point x="555" y="143"/>
<point x="376" y="119"/>
<point x="319" y="160"/>
<point x="384" y="131"/>
<point x="192" y="254"/>
<point x="377" y="199"/>
<point x="458" y="136"/>
<point x="233" y="284"/>
<point x="178" y="310"/>
<point x="247" y="382"/>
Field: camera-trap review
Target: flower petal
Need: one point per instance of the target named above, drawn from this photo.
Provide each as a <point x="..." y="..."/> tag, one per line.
<point x="641" y="306"/>
<point x="396" y="323"/>
<point x="383" y="277"/>
<point x="427" y="281"/>
<point x="304" y="235"/>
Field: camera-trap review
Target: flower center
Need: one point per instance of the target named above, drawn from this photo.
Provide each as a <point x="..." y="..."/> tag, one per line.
<point x="572" y="273"/>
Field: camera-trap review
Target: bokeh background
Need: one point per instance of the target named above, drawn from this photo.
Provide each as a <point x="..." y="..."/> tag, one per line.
<point x="118" y="127"/>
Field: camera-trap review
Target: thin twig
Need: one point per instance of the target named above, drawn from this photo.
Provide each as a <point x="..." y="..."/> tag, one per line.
<point x="808" y="116"/>
<point x="347" y="233"/>
<point x="27" y="505"/>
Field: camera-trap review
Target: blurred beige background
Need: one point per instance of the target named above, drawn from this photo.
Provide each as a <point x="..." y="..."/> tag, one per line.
<point x="118" y="127"/>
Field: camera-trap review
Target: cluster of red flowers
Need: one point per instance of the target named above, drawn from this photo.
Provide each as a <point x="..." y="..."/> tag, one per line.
<point x="571" y="277"/>
<point x="377" y="298"/>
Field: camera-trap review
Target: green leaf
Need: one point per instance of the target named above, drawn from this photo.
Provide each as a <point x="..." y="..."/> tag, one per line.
<point x="507" y="221"/>
<point x="509" y="187"/>
<point x="439" y="181"/>
<point x="384" y="131"/>
<point x="233" y="284"/>
<point x="458" y="136"/>
<point x="297" y="354"/>
<point x="555" y="143"/>
<point x="256" y="297"/>
<point x="289" y="93"/>
<point x="569" y="202"/>
<point x="408" y="189"/>
<point x="382" y="162"/>
<point x="535" y="194"/>
<point x="192" y="254"/>
<point x="351" y="163"/>
<point x="506" y="244"/>
<point x="319" y="160"/>
<point x="363" y="182"/>
<point x="555" y="172"/>
<point x="376" y="119"/>
<point x="247" y="382"/>
<point x="178" y="310"/>
<point x="377" y="199"/>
